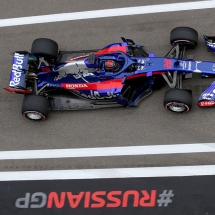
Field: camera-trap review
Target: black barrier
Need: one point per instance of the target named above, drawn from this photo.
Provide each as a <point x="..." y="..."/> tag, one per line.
<point x="127" y="196"/>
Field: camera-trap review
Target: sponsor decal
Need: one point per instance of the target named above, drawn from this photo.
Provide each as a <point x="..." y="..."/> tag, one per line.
<point x="103" y="85"/>
<point x="207" y="95"/>
<point x="45" y="69"/>
<point x="16" y="70"/>
<point x="97" y="199"/>
<point x="210" y="44"/>
<point x="206" y="103"/>
<point x="75" y="86"/>
<point x="189" y="65"/>
<point x="183" y="64"/>
<point x="141" y="67"/>
<point x="213" y="67"/>
<point x="197" y="70"/>
<point x="76" y="68"/>
<point x="53" y="85"/>
<point x="197" y="62"/>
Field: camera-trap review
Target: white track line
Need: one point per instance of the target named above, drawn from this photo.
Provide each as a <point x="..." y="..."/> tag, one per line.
<point x="108" y="151"/>
<point x="109" y="173"/>
<point x="108" y="13"/>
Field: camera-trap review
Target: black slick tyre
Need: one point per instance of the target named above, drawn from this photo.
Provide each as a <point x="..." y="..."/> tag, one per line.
<point x="35" y="107"/>
<point x="185" y="35"/>
<point x="178" y="100"/>
<point x="43" y="47"/>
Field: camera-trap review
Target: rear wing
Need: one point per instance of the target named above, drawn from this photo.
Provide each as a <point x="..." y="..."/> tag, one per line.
<point x="18" y="72"/>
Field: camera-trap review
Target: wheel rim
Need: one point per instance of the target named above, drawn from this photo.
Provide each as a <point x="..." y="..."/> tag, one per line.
<point x="34" y="115"/>
<point x="177" y="107"/>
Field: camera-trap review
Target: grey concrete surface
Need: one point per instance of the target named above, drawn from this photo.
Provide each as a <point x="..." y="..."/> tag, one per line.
<point x="149" y="124"/>
<point x="23" y="8"/>
<point x="109" y="162"/>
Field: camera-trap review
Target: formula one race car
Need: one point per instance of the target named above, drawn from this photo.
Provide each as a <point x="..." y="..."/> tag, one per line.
<point x="121" y="74"/>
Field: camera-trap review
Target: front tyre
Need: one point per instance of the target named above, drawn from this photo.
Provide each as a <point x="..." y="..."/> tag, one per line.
<point x="178" y="100"/>
<point x="35" y="107"/>
<point x="43" y="47"/>
<point x="185" y="35"/>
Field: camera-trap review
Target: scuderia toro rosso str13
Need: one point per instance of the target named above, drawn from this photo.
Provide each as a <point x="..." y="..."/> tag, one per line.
<point x="119" y="75"/>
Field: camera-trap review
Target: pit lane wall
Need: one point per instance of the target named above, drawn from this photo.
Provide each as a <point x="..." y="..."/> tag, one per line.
<point x="152" y="196"/>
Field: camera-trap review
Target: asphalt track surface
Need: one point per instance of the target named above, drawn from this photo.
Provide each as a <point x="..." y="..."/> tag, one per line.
<point x="148" y="124"/>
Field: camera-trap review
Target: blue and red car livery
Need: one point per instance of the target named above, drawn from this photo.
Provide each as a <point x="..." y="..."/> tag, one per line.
<point x="81" y="80"/>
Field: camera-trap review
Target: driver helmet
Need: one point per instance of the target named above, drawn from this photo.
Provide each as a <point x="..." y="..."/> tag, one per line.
<point x="111" y="65"/>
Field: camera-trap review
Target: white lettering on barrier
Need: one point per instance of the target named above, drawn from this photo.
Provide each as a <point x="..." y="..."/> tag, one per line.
<point x="38" y="198"/>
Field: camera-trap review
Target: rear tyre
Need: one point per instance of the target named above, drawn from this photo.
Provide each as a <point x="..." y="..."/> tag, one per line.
<point x="35" y="107"/>
<point x="185" y="35"/>
<point x="44" y="47"/>
<point x="178" y="100"/>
